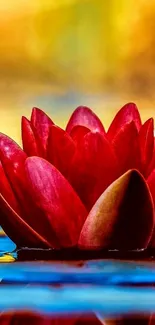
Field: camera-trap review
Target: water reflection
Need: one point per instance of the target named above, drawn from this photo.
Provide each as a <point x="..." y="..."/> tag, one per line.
<point x="106" y="292"/>
<point x="30" y="318"/>
<point x="25" y="318"/>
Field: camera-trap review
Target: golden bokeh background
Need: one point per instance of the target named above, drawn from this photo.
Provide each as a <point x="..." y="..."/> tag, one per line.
<point x="58" y="54"/>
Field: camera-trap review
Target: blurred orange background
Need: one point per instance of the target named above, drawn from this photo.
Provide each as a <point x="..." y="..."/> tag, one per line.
<point x="58" y="54"/>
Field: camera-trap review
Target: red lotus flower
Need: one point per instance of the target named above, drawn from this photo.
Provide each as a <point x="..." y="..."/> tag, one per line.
<point x="81" y="187"/>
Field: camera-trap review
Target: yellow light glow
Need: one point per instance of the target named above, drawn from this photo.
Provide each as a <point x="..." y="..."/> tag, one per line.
<point x="57" y="47"/>
<point x="16" y="6"/>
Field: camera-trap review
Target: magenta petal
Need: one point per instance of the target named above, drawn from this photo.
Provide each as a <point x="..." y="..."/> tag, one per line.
<point x="60" y="149"/>
<point x="57" y="200"/>
<point x="151" y="165"/>
<point x="123" y="216"/>
<point x="94" y="167"/>
<point x="17" y="229"/>
<point x="146" y="140"/>
<point x="86" y="117"/>
<point x="7" y="192"/>
<point x="13" y="161"/>
<point x="127" y="148"/>
<point x="126" y="114"/>
<point x="12" y="158"/>
<point x="28" y="138"/>
<point x="41" y="124"/>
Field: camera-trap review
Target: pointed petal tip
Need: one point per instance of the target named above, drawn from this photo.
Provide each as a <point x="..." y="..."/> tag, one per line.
<point x="129" y="112"/>
<point x="38" y="113"/>
<point x="41" y="123"/>
<point x="84" y="116"/>
<point x="24" y="119"/>
<point x="9" y="147"/>
<point x="123" y="216"/>
<point x="130" y="106"/>
<point x="83" y="108"/>
<point x="36" y="109"/>
<point x="134" y="172"/>
<point x="151" y="120"/>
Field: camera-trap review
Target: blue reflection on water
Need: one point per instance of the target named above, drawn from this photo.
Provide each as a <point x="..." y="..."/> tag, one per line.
<point x="108" y="301"/>
<point x="105" y="287"/>
<point x="112" y="273"/>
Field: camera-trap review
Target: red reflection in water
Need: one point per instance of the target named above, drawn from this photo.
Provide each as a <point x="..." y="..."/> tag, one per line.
<point x="25" y="318"/>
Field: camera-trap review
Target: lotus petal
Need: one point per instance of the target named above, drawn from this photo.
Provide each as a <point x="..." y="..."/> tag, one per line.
<point x="41" y="124"/>
<point x="13" y="161"/>
<point x="125" y="115"/>
<point x="127" y="149"/>
<point x="28" y="138"/>
<point x="146" y="140"/>
<point x="57" y="200"/>
<point x="94" y="167"/>
<point x="60" y="149"/>
<point x="7" y="192"/>
<point x="123" y="216"/>
<point x="151" y="184"/>
<point x="13" y="158"/>
<point x="17" y="229"/>
<point x="86" y="117"/>
<point x="78" y="132"/>
<point x="151" y="166"/>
